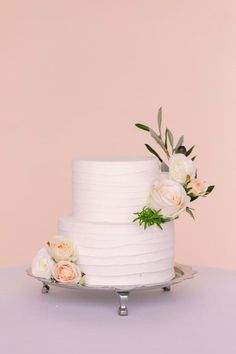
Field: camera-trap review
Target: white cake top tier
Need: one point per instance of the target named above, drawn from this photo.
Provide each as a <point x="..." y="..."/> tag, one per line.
<point x="112" y="190"/>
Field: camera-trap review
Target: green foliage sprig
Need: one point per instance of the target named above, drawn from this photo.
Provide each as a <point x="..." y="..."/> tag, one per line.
<point x="165" y="141"/>
<point x="148" y="217"/>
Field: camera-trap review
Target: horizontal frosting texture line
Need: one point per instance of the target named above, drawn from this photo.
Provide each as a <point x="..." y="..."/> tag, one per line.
<point x="127" y="260"/>
<point x="121" y="242"/>
<point x="116" y="270"/>
<point x="134" y="280"/>
<point x="128" y="250"/>
<point x="69" y="223"/>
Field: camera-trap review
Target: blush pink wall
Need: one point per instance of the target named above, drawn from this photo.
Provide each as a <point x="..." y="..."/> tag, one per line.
<point x="76" y="76"/>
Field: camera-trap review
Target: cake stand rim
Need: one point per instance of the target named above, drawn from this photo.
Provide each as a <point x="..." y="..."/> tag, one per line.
<point x="182" y="272"/>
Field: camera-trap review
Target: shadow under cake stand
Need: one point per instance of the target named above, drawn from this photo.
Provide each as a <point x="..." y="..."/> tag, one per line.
<point x="182" y="272"/>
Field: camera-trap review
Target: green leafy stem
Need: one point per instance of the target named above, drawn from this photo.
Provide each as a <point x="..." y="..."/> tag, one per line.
<point x="148" y="217"/>
<point x="165" y="141"/>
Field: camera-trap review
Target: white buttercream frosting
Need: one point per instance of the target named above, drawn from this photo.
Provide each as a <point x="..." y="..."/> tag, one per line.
<point x="111" y="191"/>
<point x="112" y="249"/>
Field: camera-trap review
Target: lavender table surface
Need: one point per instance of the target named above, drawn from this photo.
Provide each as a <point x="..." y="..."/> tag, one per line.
<point x="197" y="316"/>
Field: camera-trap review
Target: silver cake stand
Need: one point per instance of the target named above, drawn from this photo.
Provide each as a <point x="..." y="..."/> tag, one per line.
<point x="182" y="272"/>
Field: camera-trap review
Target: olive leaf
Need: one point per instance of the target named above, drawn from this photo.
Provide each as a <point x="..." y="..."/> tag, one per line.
<point x="179" y="143"/>
<point x="154" y="135"/>
<point x="170" y="137"/>
<point x="166" y="138"/>
<point x="190" y="150"/>
<point x="153" y="152"/>
<point x="181" y="149"/>
<point x="142" y="126"/>
<point x="189" y="211"/>
<point x="159" y="119"/>
<point x="164" y="167"/>
<point x="209" y="189"/>
<point x="159" y="141"/>
<point x="193" y="197"/>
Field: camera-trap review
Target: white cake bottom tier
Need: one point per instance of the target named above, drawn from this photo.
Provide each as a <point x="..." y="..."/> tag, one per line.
<point x="131" y="280"/>
<point x="121" y="254"/>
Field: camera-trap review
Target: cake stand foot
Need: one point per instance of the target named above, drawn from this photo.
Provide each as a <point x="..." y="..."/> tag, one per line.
<point x="166" y="288"/>
<point x="123" y="296"/>
<point x="45" y="288"/>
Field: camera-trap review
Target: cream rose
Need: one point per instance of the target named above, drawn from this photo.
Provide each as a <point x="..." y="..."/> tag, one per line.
<point x="66" y="272"/>
<point x="62" y="249"/>
<point x="169" y="196"/>
<point x="42" y="264"/>
<point x="180" y="166"/>
<point x="198" y="187"/>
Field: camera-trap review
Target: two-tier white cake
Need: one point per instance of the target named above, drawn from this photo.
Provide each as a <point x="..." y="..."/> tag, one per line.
<point x="112" y="249"/>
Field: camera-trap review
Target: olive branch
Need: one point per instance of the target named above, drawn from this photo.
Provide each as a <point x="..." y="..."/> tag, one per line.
<point x="165" y="141"/>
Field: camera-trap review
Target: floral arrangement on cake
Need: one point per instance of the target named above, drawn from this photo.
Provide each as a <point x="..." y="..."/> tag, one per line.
<point x="58" y="261"/>
<point x="178" y="184"/>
